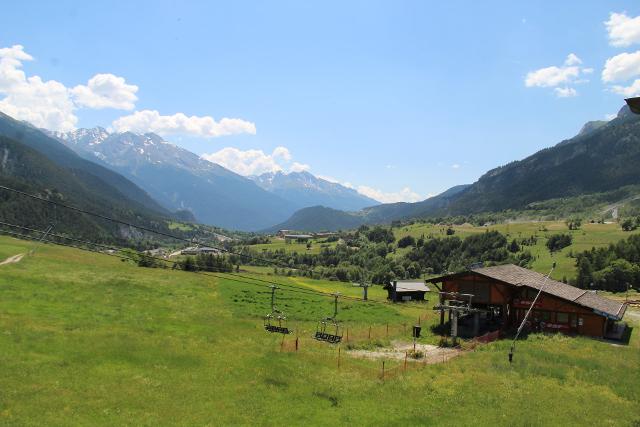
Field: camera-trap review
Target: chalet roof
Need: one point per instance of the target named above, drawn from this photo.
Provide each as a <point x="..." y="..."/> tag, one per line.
<point x="518" y="276"/>
<point x="410" y="286"/>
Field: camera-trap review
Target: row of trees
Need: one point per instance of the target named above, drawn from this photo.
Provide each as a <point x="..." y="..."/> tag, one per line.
<point x="202" y="262"/>
<point x="371" y="250"/>
<point x="612" y="268"/>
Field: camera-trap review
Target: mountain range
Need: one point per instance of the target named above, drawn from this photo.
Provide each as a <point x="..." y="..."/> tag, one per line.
<point x="304" y="189"/>
<point x="143" y="176"/>
<point x="604" y="156"/>
<point x="35" y="163"/>
<point x="181" y="180"/>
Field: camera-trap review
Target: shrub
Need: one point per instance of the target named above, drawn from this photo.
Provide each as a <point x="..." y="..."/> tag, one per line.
<point x="559" y="241"/>
<point x="406" y="241"/>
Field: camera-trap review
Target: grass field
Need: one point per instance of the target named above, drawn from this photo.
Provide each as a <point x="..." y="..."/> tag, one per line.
<point x="276" y="244"/>
<point x="87" y="339"/>
<point x="588" y="236"/>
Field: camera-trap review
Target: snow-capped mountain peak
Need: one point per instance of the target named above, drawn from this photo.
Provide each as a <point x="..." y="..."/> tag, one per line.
<point x="304" y="189"/>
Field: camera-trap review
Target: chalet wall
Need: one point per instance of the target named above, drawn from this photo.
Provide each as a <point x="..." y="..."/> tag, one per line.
<point x="550" y="313"/>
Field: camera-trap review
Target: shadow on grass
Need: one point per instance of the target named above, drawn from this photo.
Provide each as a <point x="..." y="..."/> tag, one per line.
<point x="626" y="336"/>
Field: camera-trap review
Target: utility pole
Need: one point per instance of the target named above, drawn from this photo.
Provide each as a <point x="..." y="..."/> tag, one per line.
<point x="365" y="290"/>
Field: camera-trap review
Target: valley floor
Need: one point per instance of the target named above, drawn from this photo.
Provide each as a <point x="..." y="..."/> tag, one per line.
<point x="88" y="339"/>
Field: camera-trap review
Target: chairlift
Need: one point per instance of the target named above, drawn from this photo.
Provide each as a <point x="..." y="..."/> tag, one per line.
<point x="276" y="321"/>
<point x="329" y="329"/>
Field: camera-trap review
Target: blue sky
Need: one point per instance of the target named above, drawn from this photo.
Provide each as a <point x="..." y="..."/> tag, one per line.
<point x="386" y="96"/>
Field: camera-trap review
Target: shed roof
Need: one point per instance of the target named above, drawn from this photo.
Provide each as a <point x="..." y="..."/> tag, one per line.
<point x="518" y="276"/>
<point x="410" y="286"/>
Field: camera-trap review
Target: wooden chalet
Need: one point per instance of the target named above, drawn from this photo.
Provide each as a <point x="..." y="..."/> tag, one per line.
<point x="400" y="290"/>
<point x="498" y="298"/>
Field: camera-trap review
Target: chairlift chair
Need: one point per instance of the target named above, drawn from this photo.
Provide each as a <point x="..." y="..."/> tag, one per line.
<point x="276" y="321"/>
<point x="329" y="329"/>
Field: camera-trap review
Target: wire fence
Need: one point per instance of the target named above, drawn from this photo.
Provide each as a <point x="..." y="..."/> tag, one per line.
<point x="385" y="362"/>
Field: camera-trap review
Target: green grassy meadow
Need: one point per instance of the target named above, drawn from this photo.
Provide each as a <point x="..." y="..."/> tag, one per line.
<point x="86" y="339"/>
<point x="588" y="236"/>
<point x="279" y="244"/>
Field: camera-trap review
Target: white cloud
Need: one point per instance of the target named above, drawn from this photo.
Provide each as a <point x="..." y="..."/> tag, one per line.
<point x="404" y="195"/>
<point x="256" y="162"/>
<point x="48" y="103"/>
<point x="52" y="105"/>
<point x="570" y="73"/>
<point x="179" y="123"/>
<point x="572" y="59"/>
<point x="42" y="103"/>
<point x="554" y="75"/>
<point x="628" y="91"/>
<point x="106" y="91"/>
<point x="621" y="67"/>
<point x="299" y="167"/>
<point x="565" y="92"/>
<point x="455" y="166"/>
<point x="623" y="30"/>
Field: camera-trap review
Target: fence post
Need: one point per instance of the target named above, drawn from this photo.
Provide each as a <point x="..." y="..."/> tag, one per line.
<point x="296" y="343"/>
<point x="383" y="370"/>
<point x="347" y="335"/>
<point x="282" y="343"/>
<point x="369" y="332"/>
<point x="405" y="360"/>
<point x="339" y="357"/>
<point x="387" y="330"/>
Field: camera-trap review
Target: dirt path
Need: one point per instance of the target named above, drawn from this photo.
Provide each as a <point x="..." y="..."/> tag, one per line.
<point x="432" y="353"/>
<point x="12" y="259"/>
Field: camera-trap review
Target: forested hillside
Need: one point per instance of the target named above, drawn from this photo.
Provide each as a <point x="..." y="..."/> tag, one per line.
<point x="27" y="170"/>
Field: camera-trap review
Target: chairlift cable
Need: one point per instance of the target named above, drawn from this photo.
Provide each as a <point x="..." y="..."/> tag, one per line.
<point x="286" y="287"/>
<point x="162" y="233"/>
<point x="526" y="316"/>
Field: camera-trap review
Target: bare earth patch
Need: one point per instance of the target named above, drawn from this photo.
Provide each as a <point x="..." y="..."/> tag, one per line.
<point x="12" y="259"/>
<point x="431" y="353"/>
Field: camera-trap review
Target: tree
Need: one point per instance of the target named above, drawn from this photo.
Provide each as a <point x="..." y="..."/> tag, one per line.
<point x="617" y="275"/>
<point x="188" y="264"/>
<point x="559" y="241"/>
<point x="629" y="224"/>
<point x="585" y="273"/>
<point x="379" y="235"/>
<point x="574" y="223"/>
<point x="406" y="241"/>
<point x="450" y="231"/>
<point x="514" y="247"/>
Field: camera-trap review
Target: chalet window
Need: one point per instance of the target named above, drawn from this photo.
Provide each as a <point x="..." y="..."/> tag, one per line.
<point x="562" y="317"/>
<point x="546" y="316"/>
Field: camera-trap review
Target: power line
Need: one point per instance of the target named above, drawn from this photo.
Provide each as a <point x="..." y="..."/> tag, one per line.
<point x="207" y="270"/>
<point x="141" y="227"/>
<point x="162" y="233"/>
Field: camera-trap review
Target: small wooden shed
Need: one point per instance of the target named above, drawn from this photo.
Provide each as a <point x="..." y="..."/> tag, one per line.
<point x="401" y="291"/>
